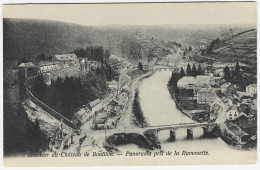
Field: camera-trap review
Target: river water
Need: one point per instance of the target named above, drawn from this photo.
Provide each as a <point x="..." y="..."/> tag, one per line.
<point x="160" y="109"/>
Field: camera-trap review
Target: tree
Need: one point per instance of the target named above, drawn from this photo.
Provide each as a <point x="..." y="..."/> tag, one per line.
<point x="109" y="73"/>
<point x="41" y="57"/>
<point x="174" y="79"/>
<point x="237" y="70"/>
<point x="194" y="71"/>
<point x="137" y="110"/>
<point x="199" y="72"/>
<point x="188" y="70"/>
<point x="39" y="87"/>
<point x="227" y="73"/>
<point x="182" y="73"/>
<point x="140" y="66"/>
<point x="37" y="132"/>
<point x="107" y="55"/>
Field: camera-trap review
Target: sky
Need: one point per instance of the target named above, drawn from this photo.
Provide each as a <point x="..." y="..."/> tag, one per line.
<point x="140" y="13"/>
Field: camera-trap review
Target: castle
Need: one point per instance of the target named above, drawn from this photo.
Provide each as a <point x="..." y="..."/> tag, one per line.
<point x="60" y="66"/>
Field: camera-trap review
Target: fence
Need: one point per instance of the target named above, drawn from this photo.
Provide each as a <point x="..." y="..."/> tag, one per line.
<point x="51" y="111"/>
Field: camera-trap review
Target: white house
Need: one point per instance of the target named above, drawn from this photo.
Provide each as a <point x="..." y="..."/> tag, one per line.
<point x="67" y="58"/>
<point x="47" y="66"/>
<point x="112" y="85"/>
<point x="251" y="89"/>
<point x="232" y="114"/>
<point x="194" y="83"/>
<point x="84" y="114"/>
<point x="206" y="95"/>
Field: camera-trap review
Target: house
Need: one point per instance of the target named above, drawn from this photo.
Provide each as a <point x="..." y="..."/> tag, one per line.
<point x="247" y="121"/>
<point x="27" y="70"/>
<point x="237" y="133"/>
<point x="232" y="114"/>
<point x="112" y="85"/>
<point x="254" y="105"/>
<point x="67" y="140"/>
<point x="67" y="58"/>
<point x="219" y="72"/>
<point x="230" y="91"/>
<point x="83" y="62"/>
<point x="56" y="145"/>
<point x="245" y="108"/>
<point x="194" y="83"/>
<point x="206" y="95"/>
<point x="84" y="114"/>
<point x="95" y="106"/>
<point x="214" y="81"/>
<point x="60" y="140"/>
<point x="111" y="106"/>
<point x="251" y="89"/>
<point x="224" y="86"/>
<point x="215" y="110"/>
<point x="47" y="66"/>
<point x="126" y="89"/>
<point x="122" y="98"/>
<point x="117" y="110"/>
<point x="99" y="121"/>
<point x="246" y="100"/>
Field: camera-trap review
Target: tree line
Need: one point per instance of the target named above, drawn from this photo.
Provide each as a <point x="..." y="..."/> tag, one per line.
<point x="228" y="74"/>
<point x="190" y="71"/>
<point x="138" y="112"/>
<point x="105" y="72"/>
<point x="66" y="96"/>
<point x="93" y="53"/>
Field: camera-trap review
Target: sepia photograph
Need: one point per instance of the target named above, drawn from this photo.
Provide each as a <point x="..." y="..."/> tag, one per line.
<point x="123" y="84"/>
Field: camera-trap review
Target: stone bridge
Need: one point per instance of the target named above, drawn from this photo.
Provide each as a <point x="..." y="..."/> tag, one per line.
<point x="207" y="128"/>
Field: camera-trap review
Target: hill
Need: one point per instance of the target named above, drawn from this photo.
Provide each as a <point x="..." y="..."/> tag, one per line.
<point x="29" y="38"/>
<point x="240" y="47"/>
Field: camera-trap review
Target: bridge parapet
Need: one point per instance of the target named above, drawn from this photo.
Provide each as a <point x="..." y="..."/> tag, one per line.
<point x="209" y="126"/>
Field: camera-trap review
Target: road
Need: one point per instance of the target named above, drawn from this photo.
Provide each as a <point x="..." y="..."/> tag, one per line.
<point x="96" y="138"/>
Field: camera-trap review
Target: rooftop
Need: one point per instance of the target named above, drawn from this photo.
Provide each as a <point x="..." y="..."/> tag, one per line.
<point x="189" y="80"/>
<point x="66" y="57"/>
<point x="94" y="103"/>
<point x="237" y="130"/>
<point x="206" y="90"/>
<point x="252" y="85"/>
<point x="29" y="64"/>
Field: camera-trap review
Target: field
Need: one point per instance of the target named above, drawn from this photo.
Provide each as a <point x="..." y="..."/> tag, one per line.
<point x="240" y="48"/>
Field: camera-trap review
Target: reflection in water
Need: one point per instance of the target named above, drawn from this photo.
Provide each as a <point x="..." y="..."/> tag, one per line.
<point x="156" y="101"/>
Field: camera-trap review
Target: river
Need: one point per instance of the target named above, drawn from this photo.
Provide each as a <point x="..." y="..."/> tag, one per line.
<point x="160" y="109"/>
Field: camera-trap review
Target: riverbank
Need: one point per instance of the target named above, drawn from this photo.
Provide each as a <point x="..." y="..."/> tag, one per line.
<point x="138" y="114"/>
<point x="177" y="103"/>
<point x="137" y="111"/>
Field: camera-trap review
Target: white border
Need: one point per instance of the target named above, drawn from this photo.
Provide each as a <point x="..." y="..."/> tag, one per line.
<point x="230" y="167"/>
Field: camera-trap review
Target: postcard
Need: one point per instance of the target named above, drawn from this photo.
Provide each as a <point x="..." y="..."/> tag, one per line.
<point x="130" y="84"/>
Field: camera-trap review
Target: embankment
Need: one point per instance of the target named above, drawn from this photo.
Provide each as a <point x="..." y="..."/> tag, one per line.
<point x="136" y="107"/>
<point x="112" y="142"/>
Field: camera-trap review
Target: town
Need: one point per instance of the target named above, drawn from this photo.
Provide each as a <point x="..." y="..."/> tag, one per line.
<point x="88" y="100"/>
